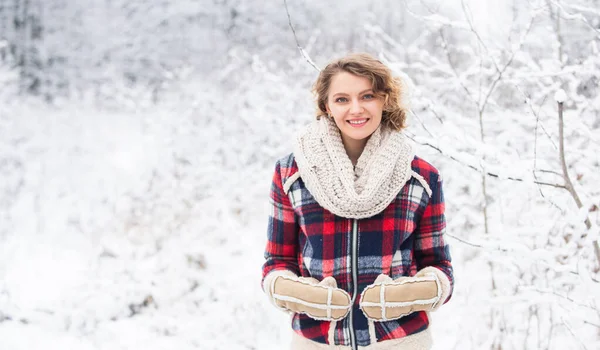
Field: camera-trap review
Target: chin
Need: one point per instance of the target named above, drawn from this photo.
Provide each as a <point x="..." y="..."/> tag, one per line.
<point x="358" y="134"/>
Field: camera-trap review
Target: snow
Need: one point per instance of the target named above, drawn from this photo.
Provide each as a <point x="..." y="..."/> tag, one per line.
<point x="134" y="185"/>
<point x="560" y="96"/>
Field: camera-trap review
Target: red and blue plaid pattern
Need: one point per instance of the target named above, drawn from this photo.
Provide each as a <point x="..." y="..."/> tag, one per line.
<point x="310" y="241"/>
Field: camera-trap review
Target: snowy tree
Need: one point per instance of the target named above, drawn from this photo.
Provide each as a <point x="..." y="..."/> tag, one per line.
<point x="137" y="140"/>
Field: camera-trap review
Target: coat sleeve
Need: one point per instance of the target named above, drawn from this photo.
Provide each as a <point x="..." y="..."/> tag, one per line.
<point x="282" y="235"/>
<point x="431" y="252"/>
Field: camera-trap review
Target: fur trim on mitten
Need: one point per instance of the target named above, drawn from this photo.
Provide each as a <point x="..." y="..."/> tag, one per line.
<point x="444" y="284"/>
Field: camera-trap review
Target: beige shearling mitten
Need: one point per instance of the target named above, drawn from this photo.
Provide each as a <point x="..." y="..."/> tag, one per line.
<point x="387" y="299"/>
<point x="319" y="300"/>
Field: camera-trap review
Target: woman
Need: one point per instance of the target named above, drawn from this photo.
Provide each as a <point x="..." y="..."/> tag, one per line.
<point x="355" y="247"/>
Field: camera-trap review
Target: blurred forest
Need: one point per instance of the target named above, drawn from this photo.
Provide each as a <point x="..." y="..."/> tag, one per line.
<point x="157" y="123"/>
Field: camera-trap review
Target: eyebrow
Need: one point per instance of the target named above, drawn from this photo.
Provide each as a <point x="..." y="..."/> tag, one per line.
<point x="360" y="93"/>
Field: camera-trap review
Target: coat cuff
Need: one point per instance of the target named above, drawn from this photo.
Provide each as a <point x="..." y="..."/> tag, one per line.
<point x="444" y="284"/>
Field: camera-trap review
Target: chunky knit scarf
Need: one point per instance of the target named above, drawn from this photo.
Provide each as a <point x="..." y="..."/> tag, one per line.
<point x="353" y="192"/>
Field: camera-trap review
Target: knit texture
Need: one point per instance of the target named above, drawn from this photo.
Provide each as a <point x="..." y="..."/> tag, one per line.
<point x="347" y="191"/>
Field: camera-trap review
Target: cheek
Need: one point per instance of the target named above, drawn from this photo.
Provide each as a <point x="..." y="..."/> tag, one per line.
<point x="335" y="108"/>
<point x="376" y="109"/>
<point x="339" y="121"/>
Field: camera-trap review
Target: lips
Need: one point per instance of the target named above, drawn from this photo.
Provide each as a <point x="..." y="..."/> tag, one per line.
<point x="358" y="122"/>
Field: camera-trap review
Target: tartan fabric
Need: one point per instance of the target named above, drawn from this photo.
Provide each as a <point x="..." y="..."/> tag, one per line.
<point x="310" y="241"/>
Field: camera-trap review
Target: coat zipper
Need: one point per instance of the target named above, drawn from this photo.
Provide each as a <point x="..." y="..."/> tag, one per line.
<point x="354" y="267"/>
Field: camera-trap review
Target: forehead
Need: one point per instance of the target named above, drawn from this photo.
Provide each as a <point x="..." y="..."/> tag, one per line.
<point x="347" y="83"/>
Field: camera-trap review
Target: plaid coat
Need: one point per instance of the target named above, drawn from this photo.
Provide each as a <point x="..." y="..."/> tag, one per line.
<point x="310" y="241"/>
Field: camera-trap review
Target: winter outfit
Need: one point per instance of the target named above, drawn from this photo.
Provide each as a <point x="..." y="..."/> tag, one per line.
<point x="357" y="254"/>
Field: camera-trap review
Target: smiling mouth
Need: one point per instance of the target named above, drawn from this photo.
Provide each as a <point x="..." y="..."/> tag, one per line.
<point x="357" y="123"/>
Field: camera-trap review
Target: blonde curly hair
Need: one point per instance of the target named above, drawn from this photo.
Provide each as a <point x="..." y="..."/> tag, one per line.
<point x="385" y="85"/>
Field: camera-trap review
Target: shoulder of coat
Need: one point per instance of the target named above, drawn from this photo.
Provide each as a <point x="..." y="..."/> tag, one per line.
<point x="289" y="171"/>
<point x="425" y="169"/>
<point x="425" y="173"/>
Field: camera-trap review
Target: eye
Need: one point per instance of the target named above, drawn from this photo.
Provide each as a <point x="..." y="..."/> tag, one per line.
<point x="341" y="100"/>
<point x="369" y="96"/>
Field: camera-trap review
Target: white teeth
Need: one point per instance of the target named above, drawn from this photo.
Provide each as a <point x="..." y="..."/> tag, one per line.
<point x="357" y="122"/>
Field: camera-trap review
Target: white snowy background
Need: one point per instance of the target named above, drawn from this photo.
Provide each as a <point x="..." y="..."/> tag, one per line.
<point x="138" y="140"/>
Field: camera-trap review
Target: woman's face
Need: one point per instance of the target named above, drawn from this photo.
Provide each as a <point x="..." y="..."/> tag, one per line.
<point x="355" y="108"/>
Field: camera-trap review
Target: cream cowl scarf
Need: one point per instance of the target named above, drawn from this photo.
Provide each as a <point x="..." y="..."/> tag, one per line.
<point x="353" y="192"/>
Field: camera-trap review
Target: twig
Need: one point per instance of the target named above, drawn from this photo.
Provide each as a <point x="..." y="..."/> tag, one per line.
<point x="578" y="16"/>
<point x="479" y="39"/>
<point x="551" y="330"/>
<point x="445" y="47"/>
<point x="475" y="245"/>
<point x="421" y="122"/>
<point x="528" y="326"/>
<point x="504" y="250"/>
<point x="559" y="38"/>
<point x="484" y="171"/>
<point x="501" y="72"/>
<point x="437" y="20"/>
<point x="592" y="324"/>
<point x="438" y="117"/>
<point x="537" y="120"/>
<point x="302" y="51"/>
<point x="573" y="333"/>
<point x="549" y="172"/>
<point x="528" y="101"/>
<point x="541" y="291"/>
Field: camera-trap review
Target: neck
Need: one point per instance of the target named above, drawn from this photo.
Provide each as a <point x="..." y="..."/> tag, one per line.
<point x="354" y="148"/>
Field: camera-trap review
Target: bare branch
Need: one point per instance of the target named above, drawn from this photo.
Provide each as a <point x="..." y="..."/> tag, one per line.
<point x="475" y="245"/>
<point x="422" y="123"/>
<point x="437" y="19"/>
<point x="537" y="120"/>
<point x="501" y="72"/>
<point x="549" y="172"/>
<point x="563" y="164"/>
<point x="302" y="51"/>
<point x="468" y="16"/>
<point x="483" y="171"/>
<point x="528" y="101"/>
<point x="566" y="297"/>
<point x="429" y="9"/>
<point x="573" y="333"/>
<point x="438" y="117"/>
<point x="592" y="324"/>
<point x="508" y="251"/>
<point x="567" y="179"/>
<point x="576" y="16"/>
<point x="445" y="47"/>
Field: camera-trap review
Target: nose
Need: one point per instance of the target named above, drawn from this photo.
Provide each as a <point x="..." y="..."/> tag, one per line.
<point x="355" y="107"/>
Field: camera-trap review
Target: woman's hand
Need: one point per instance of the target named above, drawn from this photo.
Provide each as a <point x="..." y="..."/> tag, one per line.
<point x="319" y="300"/>
<point x="387" y="299"/>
